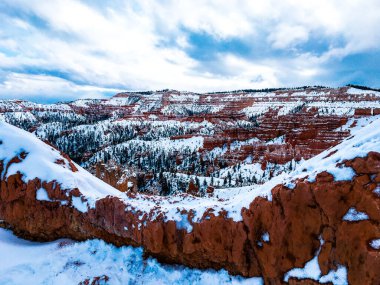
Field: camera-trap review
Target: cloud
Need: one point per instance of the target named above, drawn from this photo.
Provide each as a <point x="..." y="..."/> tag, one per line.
<point x="286" y="36"/>
<point x="44" y="88"/>
<point x="195" y="45"/>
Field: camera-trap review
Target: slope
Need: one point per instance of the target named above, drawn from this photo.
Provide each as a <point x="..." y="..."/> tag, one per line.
<point x="328" y="207"/>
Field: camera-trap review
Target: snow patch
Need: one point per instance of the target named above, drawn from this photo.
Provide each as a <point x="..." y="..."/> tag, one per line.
<point x="353" y="215"/>
<point x="336" y="277"/>
<point x="79" y="204"/>
<point x="311" y="270"/>
<point x="375" y="243"/>
<point x="183" y="223"/>
<point x="265" y="237"/>
<point x="377" y="190"/>
<point x="355" y="91"/>
<point x="42" y="195"/>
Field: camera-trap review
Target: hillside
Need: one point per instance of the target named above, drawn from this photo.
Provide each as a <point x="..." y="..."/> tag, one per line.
<point x="319" y="221"/>
<point x="169" y="142"/>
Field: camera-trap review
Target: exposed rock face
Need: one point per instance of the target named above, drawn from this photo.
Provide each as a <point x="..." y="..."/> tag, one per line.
<point x="274" y="236"/>
<point x="117" y="177"/>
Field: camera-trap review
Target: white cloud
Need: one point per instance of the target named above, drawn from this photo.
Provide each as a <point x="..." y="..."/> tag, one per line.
<point x="285" y="36"/>
<point x="27" y="86"/>
<point x="144" y="44"/>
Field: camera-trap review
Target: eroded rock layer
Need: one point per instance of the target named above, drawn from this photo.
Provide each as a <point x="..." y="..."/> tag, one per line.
<point x="272" y="238"/>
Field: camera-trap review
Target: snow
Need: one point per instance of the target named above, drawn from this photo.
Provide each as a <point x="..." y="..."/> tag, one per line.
<point x="338" y="277"/>
<point x="83" y="103"/>
<point x="265" y="237"/>
<point x="20" y="116"/>
<point x="204" y="181"/>
<point x="194" y="143"/>
<point x="356" y="91"/>
<point x="244" y="171"/>
<point x="353" y="215"/>
<point x="166" y="145"/>
<point x="42" y="195"/>
<point x="69" y="262"/>
<point x="20" y="105"/>
<point x="339" y="108"/>
<point x="363" y="141"/>
<point x="184" y="97"/>
<point x="40" y="162"/>
<point x="284" y="108"/>
<point x="375" y="243"/>
<point x="308" y="101"/>
<point x="79" y="204"/>
<point x="311" y="270"/>
<point x="236" y="145"/>
<point x="278" y="140"/>
<point x="377" y="190"/>
<point x="356" y="124"/>
<point x="190" y="108"/>
<point x="216" y="152"/>
<point x="183" y="223"/>
<point x="119" y="101"/>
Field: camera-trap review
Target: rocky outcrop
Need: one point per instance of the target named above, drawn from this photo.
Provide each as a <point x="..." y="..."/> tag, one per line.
<point x="114" y="175"/>
<point x="273" y="237"/>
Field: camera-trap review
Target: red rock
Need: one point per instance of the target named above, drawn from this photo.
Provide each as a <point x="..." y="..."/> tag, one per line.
<point x="294" y="219"/>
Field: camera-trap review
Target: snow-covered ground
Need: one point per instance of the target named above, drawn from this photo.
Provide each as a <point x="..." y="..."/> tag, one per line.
<point x="66" y="262"/>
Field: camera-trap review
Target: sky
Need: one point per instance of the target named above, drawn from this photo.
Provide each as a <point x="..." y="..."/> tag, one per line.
<point x="60" y="50"/>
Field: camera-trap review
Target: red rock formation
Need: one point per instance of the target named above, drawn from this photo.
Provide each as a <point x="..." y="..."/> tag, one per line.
<point x="192" y="189"/>
<point x="112" y="174"/>
<point x="295" y="220"/>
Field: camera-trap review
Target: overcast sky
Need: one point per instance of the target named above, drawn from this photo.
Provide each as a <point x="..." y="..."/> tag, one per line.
<point x="56" y="50"/>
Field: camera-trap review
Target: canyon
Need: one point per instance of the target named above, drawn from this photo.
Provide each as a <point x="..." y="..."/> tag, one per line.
<point x="169" y="142"/>
<point x="263" y="184"/>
